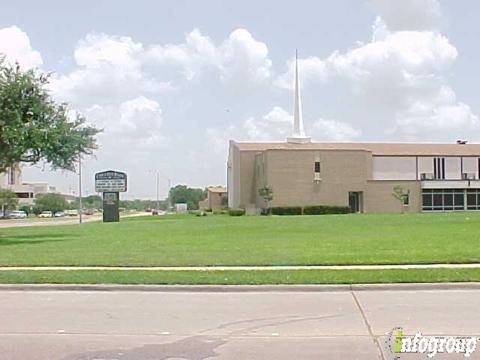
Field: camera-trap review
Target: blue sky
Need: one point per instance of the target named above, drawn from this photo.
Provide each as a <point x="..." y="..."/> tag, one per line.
<point x="171" y="82"/>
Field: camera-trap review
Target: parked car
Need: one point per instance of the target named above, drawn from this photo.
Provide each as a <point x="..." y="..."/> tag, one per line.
<point x="88" y="211"/>
<point x="45" y="214"/>
<point x="71" y="212"/>
<point x="17" y="214"/>
<point x="60" y="214"/>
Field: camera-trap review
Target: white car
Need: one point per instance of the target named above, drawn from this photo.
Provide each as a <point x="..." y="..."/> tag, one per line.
<point x="17" y="214"/>
<point x="60" y="214"/>
<point x="45" y="214"/>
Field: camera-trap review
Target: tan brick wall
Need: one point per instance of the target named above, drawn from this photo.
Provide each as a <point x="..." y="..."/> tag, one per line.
<point x="379" y="198"/>
<point x="290" y="173"/>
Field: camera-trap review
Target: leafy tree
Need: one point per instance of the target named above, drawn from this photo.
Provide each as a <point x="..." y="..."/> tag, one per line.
<point x="190" y="196"/>
<point x="266" y="193"/>
<point x="8" y="199"/>
<point x="50" y="202"/>
<point x="34" y="127"/>
<point x="402" y="196"/>
<point x="26" y="208"/>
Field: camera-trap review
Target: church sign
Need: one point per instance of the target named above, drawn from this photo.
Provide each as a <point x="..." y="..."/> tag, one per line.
<point x="110" y="181"/>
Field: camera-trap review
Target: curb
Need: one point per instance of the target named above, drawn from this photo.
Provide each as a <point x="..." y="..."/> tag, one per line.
<point x="242" y="288"/>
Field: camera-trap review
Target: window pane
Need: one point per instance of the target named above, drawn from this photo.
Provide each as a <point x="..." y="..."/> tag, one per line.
<point x="459" y="200"/>
<point x="448" y="199"/>
<point x="471" y="199"/>
<point x="427" y="200"/>
<point x="437" y="200"/>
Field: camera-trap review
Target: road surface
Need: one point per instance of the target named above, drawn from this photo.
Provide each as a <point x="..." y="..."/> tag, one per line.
<point x="144" y="325"/>
<point x="67" y="220"/>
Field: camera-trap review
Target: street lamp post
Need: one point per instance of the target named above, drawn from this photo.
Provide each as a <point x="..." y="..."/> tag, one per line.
<point x="80" y="207"/>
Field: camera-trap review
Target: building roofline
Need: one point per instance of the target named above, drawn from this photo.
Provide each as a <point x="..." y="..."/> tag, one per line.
<point x="376" y="148"/>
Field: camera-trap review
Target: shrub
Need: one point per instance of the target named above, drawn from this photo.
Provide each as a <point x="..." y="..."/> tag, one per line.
<point x="207" y="210"/>
<point x="325" y="209"/>
<point x="236" y="212"/>
<point x="286" y="210"/>
<point x="27" y="209"/>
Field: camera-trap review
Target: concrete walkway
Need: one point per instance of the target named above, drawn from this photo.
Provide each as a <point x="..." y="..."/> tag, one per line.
<point x="280" y="325"/>
<point x="242" y="268"/>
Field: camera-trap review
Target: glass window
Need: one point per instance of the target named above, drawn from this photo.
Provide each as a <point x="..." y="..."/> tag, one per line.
<point x="458" y="199"/>
<point x="317" y="166"/>
<point x="450" y="199"/>
<point x="437" y="200"/>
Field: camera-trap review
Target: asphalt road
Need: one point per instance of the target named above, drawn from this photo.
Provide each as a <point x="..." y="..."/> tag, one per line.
<point x="68" y="220"/>
<point x="142" y="325"/>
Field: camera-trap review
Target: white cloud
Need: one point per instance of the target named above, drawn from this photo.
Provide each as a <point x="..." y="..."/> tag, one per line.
<point x="138" y="120"/>
<point x="15" y="46"/>
<point x="109" y="69"/>
<point x="333" y="130"/>
<point x="240" y="60"/>
<point x="275" y="125"/>
<point x="409" y="14"/>
<point x="403" y="72"/>
<point x="195" y="55"/>
<point x="244" y="58"/>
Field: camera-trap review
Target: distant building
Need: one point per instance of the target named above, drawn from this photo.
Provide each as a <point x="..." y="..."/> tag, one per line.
<point x="433" y="177"/>
<point x="181" y="208"/>
<point x="217" y="198"/>
<point x="25" y="191"/>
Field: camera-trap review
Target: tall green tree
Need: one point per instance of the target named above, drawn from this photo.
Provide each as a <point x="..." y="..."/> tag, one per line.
<point x="34" y="127"/>
<point x="50" y="202"/>
<point x="182" y="194"/>
<point x="8" y="200"/>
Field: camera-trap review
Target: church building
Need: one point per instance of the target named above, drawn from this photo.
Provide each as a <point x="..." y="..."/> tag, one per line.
<point x="363" y="176"/>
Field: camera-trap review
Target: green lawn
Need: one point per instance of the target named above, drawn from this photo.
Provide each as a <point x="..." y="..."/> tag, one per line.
<point x="224" y="240"/>
<point x="248" y="277"/>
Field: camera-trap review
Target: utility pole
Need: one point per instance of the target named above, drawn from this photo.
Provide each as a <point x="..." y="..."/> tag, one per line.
<point x="158" y="191"/>
<point x="169" y="198"/>
<point x="80" y="207"/>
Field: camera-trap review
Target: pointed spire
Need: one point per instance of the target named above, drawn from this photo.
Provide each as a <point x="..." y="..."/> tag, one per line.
<point x="298" y="135"/>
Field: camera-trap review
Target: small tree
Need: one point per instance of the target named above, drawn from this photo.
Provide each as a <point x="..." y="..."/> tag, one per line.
<point x="402" y="196"/>
<point x="266" y="193"/>
<point x="8" y="200"/>
<point x="51" y="202"/>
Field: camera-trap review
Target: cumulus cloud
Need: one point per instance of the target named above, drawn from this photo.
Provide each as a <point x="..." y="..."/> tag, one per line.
<point x="139" y="120"/>
<point x="334" y="130"/>
<point x="403" y="72"/>
<point x="239" y="59"/>
<point x="15" y="46"/>
<point x="109" y="69"/>
<point x="275" y="125"/>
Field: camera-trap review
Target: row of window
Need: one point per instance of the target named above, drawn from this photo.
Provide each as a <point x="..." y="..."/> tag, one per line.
<point x="450" y="199"/>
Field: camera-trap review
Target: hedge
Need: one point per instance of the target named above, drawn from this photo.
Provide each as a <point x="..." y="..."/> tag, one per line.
<point x="236" y="212"/>
<point x="286" y="210"/>
<point x="325" y="209"/>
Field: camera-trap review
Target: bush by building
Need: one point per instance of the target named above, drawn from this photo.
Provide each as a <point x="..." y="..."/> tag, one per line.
<point x="286" y="210"/>
<point x="325" y="209"/>
<point x="236" y="212"/>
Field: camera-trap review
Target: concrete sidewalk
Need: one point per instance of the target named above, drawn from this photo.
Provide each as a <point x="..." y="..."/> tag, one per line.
<point x="242" y="268"/>
<point x="141" y="325"/>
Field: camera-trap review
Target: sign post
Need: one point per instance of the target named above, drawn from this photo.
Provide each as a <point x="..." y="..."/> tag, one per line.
<point x="111" y="183"/>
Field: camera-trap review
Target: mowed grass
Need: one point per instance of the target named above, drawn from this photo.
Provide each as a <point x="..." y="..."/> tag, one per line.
<point x="223" y="240"/>
<point x="247" y="277"/>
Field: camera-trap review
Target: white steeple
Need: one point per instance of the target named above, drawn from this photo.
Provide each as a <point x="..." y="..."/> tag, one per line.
<point x="298" y="135"/>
